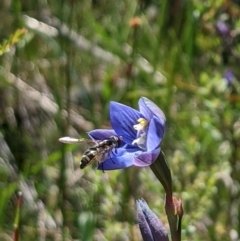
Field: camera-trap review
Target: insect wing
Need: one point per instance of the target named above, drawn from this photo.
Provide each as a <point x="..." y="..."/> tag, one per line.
<point x="101" y="151"/>
<point x="70" y="140"/>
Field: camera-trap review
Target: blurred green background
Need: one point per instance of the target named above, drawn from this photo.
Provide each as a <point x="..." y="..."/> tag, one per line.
<point x="63" y="61"/>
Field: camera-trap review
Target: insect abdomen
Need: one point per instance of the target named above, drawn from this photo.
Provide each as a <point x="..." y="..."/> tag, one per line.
<point x="87" y="158"/>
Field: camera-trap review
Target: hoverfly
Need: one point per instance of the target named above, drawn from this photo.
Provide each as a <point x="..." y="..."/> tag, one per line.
<point x="98" y="152"/>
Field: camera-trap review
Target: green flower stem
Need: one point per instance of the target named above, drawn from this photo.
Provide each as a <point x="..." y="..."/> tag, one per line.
<point x="174" y="219"/>
<point x="162" y="171"/>
<point x="173" y="206"/>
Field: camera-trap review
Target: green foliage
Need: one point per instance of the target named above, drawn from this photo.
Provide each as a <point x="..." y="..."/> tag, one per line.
<point x="63" y="61"/>
<point x="12" y="40"/>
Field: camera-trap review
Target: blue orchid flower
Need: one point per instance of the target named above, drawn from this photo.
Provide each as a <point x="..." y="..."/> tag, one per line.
<point x="141" y="131"/>
<point x="150" y="226"/>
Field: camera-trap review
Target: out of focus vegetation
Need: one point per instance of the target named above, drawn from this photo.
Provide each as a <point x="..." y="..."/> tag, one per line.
<point x="63" y="61"/>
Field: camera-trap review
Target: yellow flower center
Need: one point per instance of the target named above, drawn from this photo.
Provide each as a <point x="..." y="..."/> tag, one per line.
<point x="142" y="124"/>
<point x="141" y="135"/>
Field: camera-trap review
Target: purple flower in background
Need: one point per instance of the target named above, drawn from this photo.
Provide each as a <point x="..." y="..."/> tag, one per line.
<point x="229" y="76"/>
<point x="223" y="29"/>
<point x="142" y="132"/>
<point x="150" y="226"/>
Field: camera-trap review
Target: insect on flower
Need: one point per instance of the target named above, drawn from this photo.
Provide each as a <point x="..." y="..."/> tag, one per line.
<point x="99" y="152"/>
<point x="141" y="130"/>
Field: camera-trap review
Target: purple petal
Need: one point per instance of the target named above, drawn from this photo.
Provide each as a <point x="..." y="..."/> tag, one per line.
<point x="123" y="118"/>
<point x="155" y="134"/>
<point x="146" y="158"/>
<point x="149" y="109"/>
<point x="100" y="134"/>
<point x="147" y="113"/>
<point x="119" y="160"/>
<point x="143" y="224"/>
<point x="157" y="229"/>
